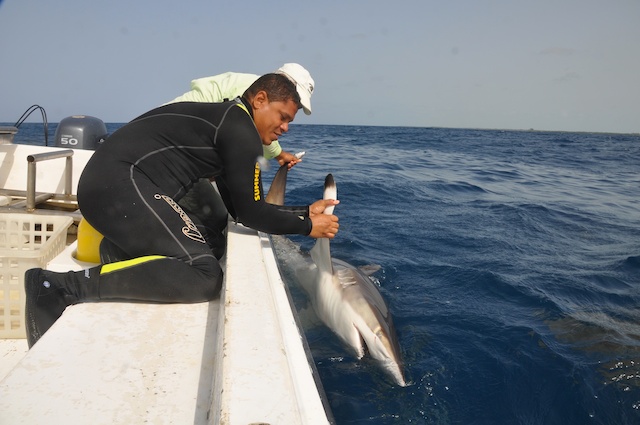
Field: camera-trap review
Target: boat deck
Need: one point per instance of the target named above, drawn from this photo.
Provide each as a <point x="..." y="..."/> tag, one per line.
<point x="240" y="359"/>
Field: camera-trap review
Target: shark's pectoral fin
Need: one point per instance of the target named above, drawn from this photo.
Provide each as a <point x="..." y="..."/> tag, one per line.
<point x="321" y="255"/>
<point x="309" y="318"/>
<point x="369" y="269"/>
<point x="357" y="343"/>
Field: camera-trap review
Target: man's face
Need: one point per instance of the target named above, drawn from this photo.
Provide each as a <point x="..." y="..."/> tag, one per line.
<point x="272" y="118"/>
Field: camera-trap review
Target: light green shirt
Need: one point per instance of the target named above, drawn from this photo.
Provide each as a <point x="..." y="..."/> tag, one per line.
<point x="225" y="86"/>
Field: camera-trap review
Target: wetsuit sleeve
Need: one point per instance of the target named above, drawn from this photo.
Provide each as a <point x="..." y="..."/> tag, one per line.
<point x="239" y="146"/>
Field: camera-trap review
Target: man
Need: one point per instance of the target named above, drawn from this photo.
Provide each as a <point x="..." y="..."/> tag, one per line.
<point x="129" y="190"/>
<point x="202" y="200"/>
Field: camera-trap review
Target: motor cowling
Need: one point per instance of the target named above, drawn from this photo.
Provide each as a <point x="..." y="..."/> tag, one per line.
<point x="80" y="132"/>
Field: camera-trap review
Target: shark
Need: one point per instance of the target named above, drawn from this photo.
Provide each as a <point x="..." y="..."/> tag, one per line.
<point x="344" y="297"/>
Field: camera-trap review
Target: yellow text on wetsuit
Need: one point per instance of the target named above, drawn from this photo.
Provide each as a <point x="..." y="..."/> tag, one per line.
<point x="256" y="182"/>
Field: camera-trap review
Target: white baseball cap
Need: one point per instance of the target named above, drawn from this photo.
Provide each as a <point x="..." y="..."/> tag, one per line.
<point x="302" y="79"/>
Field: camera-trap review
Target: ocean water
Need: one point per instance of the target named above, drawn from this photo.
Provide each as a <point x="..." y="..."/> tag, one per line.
<point x="511" y="264"/>
<point x="510" y="261"/>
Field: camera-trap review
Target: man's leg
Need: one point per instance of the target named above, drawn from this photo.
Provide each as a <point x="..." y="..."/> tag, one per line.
<point x="170" y="259"/>
<point x="204" y="202"/>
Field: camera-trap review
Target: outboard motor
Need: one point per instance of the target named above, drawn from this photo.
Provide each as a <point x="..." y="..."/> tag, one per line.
<point x="80" y="132"/>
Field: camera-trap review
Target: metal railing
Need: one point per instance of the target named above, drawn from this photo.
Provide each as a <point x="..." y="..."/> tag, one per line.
<point x="31" y="175"/>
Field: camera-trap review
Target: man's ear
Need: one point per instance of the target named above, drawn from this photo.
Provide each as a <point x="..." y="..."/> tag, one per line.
<point x="260" y="99"/>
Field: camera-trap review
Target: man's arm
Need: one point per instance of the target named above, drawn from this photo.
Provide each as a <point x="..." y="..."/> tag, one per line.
<point x="239" y="146"/>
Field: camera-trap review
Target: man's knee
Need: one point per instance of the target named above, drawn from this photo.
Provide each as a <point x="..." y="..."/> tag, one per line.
<point x="210" y="282"/>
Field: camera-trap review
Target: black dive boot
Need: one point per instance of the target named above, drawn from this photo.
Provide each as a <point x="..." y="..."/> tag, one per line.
<point x="48" y="294"/>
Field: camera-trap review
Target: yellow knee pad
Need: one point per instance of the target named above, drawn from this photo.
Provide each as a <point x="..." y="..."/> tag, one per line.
<point x="88" y="243"/>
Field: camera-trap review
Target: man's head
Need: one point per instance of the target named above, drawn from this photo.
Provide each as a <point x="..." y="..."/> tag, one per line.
<point x="275" y="102"/>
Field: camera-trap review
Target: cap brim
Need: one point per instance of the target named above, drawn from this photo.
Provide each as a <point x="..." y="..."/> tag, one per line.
<point x="306" y="103"/>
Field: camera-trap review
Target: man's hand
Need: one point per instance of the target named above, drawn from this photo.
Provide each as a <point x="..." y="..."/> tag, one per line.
<point x="323" y="225"/>
<point x="287" y="157"/>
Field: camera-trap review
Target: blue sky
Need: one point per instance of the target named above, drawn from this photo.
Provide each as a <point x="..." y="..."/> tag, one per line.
<point x="569" y="65"/>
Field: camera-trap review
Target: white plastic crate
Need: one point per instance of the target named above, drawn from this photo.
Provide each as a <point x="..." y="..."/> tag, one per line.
<point x="26" y="241"/>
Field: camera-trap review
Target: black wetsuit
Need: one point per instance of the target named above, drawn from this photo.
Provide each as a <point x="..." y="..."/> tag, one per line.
<point x="130" y="188"/>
